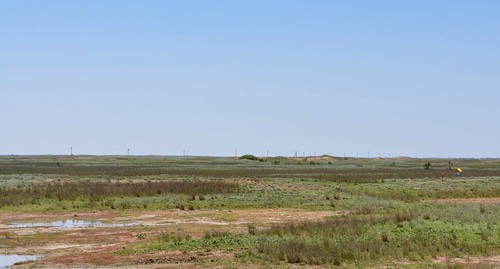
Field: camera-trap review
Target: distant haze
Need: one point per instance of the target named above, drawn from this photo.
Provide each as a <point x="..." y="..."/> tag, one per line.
<point x="389" y="78"/>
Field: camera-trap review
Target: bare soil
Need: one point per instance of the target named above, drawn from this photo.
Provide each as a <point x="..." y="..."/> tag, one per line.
<point x="472" y="262"/>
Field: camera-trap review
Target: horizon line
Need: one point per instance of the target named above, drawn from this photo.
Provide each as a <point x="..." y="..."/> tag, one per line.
<point x="232" y="157"/>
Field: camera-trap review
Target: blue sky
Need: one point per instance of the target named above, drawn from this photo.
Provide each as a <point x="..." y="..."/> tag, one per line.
<point x="413" y="78"/>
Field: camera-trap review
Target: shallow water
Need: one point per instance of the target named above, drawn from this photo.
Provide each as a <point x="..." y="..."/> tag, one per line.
<point x="70" y="223"/>
<point x="10" y="259"/>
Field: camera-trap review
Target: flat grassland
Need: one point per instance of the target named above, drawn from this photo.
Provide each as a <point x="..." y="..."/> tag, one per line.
<point x="194" y="212"/>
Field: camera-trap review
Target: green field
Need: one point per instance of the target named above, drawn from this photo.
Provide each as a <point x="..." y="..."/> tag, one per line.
<point x="316" y="211"/>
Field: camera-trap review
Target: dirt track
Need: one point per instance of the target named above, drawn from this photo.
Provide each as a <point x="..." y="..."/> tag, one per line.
<point x="494" y="200"/>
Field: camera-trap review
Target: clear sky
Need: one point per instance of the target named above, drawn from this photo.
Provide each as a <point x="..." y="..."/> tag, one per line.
<point x="414" y="78"/>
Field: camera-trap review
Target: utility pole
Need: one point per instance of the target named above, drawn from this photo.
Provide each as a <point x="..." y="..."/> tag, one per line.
<point x="71" y="151"/>
<point x="183" y="153"/>
<point x="128" y="153"/>
<point x="235" y="153"/>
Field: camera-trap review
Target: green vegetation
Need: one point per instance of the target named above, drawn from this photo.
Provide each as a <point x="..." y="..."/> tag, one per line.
<point x="99" y="191"/>
<point x="249" y="157"/>
<point x="357" y="240"/>
<point x="427" y="165"/>
<point x="393" y="208"/>
<point x="404" y="235"/>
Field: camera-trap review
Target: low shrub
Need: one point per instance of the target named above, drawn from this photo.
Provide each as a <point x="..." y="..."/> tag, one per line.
<point x="249" y="157"/>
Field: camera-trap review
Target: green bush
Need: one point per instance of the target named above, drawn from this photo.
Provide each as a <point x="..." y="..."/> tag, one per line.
<point x="249" y="157"/>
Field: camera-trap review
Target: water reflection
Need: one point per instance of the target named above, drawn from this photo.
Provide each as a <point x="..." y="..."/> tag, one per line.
<point x="70" y="223"/>
<point x="10" y="259"/>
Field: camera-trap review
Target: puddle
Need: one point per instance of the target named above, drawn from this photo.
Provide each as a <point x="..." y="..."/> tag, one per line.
<point x="8" y="260"/>
<point x="70" y="223"/>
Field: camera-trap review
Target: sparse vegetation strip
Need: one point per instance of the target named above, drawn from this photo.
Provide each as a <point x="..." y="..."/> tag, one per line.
<point x="98" y="190"/>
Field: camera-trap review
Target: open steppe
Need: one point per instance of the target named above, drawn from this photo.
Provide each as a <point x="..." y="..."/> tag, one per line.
<point x="193" y="212"/>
